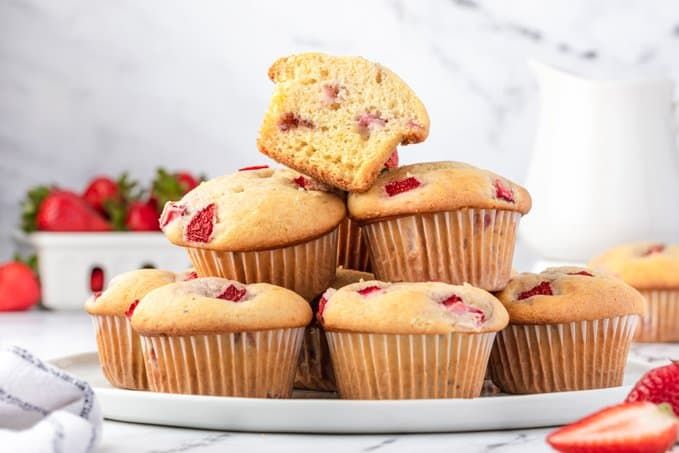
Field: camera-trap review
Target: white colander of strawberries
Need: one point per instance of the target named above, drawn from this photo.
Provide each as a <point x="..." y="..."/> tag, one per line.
<point x="83" y="240"/>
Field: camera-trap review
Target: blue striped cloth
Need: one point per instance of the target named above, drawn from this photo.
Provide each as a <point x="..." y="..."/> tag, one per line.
<point x="44" y="409"/>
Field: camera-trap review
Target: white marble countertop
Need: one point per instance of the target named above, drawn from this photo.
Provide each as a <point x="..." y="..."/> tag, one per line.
<point x="55" y="334"/>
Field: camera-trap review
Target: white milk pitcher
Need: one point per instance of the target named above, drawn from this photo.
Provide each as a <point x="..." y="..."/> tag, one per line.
<point x="605" y="167"/>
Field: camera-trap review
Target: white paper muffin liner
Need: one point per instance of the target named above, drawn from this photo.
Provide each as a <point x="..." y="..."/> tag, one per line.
<point x="390" y="366"/>
<point x="475" y="246"/>
<point x="259" y="364"/>
<point x="352" y="249"/>
<point x="315" y="368"/>
<point x="120" y="352"/>
<point x="661" y="324"/>
<point x="307" y="268"/>
<point x="562" y="357"/>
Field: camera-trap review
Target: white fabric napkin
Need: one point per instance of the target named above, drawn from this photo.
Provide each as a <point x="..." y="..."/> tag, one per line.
<point x="44" y="409"/>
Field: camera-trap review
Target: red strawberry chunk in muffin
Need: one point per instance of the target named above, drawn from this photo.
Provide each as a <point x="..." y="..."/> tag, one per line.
<point x="130" y="310"/>
<point x="191" y="276"/>
<point x="655" y="248"/>
<point x="403" y="185"/>
<point x="201" y="225"/>
<point x="172" y="211"/>
<point x="503" y="192"/>
<point x="302" y="182"/>
<point x="543" y="289"/>
<point x="368" y="290"/>
<point x="455" y="305"/>
<point x="253" y="167"/>
<point x="291" y="121"/>
<point x="585" y="273"/>
<point x="323" y="301"/>
<point x="232" y="293"/>
<point x="392" y="162"/>
<point x="369" y="121"/>
<point x="330" y="94"/>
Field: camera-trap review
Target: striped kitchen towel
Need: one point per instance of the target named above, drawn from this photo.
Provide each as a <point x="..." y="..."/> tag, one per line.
<point x="44" y="409"/>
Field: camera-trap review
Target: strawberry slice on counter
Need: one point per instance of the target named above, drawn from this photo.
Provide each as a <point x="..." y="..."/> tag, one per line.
<point x="62" y="210"/>
<point x="660" y="385"/>
<point x="641" y="427"/>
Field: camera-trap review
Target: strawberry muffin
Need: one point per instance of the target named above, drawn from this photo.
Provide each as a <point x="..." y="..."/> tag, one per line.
<point x="441" y="221"/>
<point x="339" y="119"/>
<point x="315" y="369"/>
<point x="212" y="336"/>
<point x="653" y="269"/>
<point x="570" y="328"/>
<point x="260" y="225"/>
<point x="410" y="340"/>
<point x="118" y="345"/>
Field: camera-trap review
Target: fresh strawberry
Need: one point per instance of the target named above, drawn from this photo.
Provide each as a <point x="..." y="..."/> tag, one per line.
<point x="62" y="210"/>
<point x="19" y="287"/>
<point x="141" y="216"/>
<point x="100" y="190"/>
<point x="660" y="385"/>
<point x="186" y="181"/>
<point x="171" y="187"/>
<point x="629" y="427"/>
<point x="31" y="205"/>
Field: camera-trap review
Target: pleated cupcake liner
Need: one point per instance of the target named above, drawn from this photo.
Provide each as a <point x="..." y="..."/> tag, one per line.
<point x="314" y="371"/>
<point x="563" y="357"/>
<point x="389" y="366"/>
<point x="475" y="246"/>
<point x="259" y="364"/>
<point x="308" y="268"/>
<point x="661" y="323"/>
<point x="120" y="352"/>
<point x="352" y="249"/>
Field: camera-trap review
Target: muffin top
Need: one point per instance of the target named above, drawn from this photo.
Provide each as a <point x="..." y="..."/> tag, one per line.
<point x="568" y="294"/>
<point x="344" y="277"/>
<point x="216" y="305"/>
<point x="644" y="265"/>
<point x="435" y="187"/>
<point x="252" y="209"/>
<point x="411" y="308"/>
<point x="129" y="288"/>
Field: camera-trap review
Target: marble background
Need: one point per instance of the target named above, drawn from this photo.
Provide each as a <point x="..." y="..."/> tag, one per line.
<point x="93" y="86"/>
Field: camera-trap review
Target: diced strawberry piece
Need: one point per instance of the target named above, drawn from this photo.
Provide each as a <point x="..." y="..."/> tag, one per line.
<point x="201" y="225"/>
<point x="392" y="162"/>
<point x="302" y="182"/>
<point x="368" y="290"/>
<point x="130" y="310"/>
<point x="503" y="192"/>
<point x="455" y="304"/>
<point x="291" y="121"/>
<point x="369" y="121"/>
<point x="403" y="185"/>
<point x="253" y="167"/>
<point x="330" y="93"/>
<point x="544" y="289"/>
<point x="588" y="274"/>
<point x="190" y="276"/>
<point x="232" y="293"/>
<point x="660" y="385"/>
<point x="171" y="212"/>
<point x="655" y="248"/>
<point x="624" y="428"/>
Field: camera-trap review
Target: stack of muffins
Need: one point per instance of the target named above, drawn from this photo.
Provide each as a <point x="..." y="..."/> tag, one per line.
<point x="267" y="309"/>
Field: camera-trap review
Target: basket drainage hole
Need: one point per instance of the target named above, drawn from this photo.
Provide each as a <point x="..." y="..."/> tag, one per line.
<point x="96" y="279"/>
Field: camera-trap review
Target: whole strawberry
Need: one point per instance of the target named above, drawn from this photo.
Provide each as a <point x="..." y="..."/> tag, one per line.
<point x="100" y="190"/>
<point x="186" y="181"/>
<point x="168" y="186"/>
<point x="62" y="210"/>
<point x="141" y="216"/>
<point x="660" y="385"/>
<point x="19" y="287"/>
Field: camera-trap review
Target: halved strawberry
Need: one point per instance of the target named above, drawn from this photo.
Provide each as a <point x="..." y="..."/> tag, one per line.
<point x="660" y="385"/>
<point x="625" y="428"/>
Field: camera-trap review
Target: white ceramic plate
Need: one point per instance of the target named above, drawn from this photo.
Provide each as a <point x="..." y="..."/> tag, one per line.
<point x="324" y="415"/>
